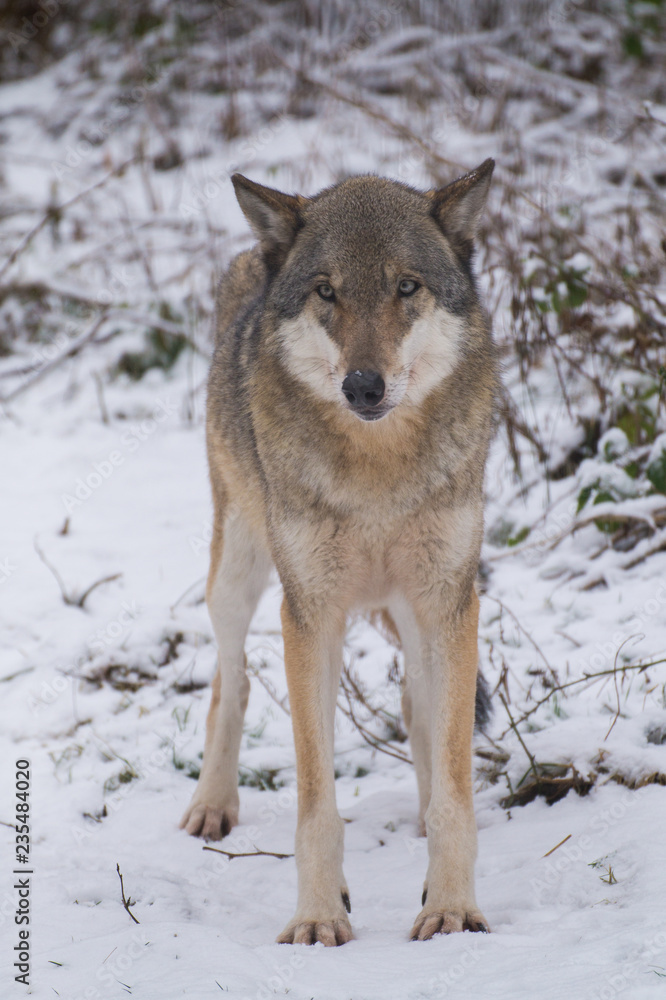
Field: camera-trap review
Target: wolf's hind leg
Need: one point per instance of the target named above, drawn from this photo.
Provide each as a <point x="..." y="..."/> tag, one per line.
<point x="415" y="705"/>
<point x="238" y="574"/>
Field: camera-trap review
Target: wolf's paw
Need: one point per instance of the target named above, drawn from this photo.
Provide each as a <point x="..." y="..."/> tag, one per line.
<point x="329" y="932"/>
<point x="431" y="922"/>
<point x="212" y="822"/>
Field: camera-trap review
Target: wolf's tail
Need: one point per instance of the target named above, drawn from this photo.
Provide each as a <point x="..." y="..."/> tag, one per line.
<point x="483" y="707"/>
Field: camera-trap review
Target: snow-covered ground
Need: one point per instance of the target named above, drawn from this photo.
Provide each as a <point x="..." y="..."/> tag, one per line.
<point x="105" y="688"/>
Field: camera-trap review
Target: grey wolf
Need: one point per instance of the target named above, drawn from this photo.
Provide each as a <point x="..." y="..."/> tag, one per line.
<point x="349" y="413"/>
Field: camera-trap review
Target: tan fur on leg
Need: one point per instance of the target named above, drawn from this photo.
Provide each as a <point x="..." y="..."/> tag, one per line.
<point x="238" y="573"/>
<point x="313" y="661"/>
<point x="450" y="903"/>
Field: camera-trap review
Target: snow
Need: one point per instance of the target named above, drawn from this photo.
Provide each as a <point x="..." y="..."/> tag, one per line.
<point x="108" y="700"/>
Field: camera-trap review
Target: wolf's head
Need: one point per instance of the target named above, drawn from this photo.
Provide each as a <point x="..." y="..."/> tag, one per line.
<point x="370" y="284"/>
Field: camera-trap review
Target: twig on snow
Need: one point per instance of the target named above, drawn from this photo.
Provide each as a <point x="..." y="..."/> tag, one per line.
<point x="247" y="854"/>
<point x="73" y="600"/>
<point x="127" y="901"/>
<point x="528" y="635"/>
<point x="513" y="726"/>
<point x="617" y="690"/>
<point x="553" y="849"/>
<point x="581" y="680"/>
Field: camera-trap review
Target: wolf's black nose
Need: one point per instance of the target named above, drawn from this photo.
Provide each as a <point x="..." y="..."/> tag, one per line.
<point x="363" y="389"/>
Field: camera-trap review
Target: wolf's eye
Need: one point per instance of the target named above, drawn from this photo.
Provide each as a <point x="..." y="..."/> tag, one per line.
<point x="325" y="291"/>
<point x="407" y="287"/>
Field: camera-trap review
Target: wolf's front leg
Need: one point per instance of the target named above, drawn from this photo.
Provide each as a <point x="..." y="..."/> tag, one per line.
<point x="238" y="573"/>
<point x="313" y="657"/>
<point x="450" y="658"/>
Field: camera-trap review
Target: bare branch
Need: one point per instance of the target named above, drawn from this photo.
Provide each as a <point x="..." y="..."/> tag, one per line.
<point x="127" y="901"/>
<point x="59" y="209"/>
<point x="247" y="854"/>
<point x="46" y="369"/>
<point x="74" y="600"/>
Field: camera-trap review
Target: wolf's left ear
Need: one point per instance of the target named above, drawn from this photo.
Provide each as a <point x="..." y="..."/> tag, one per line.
<point x="275" y="217"/>
<point x="457" y="208"/>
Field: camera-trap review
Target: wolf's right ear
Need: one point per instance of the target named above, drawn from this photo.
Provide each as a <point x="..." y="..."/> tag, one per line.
<point x="457" y="208"/>
<point x="275" y="217"/>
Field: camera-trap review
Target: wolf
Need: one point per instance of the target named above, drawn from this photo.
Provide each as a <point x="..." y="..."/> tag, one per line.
<point x="349" y="412"/>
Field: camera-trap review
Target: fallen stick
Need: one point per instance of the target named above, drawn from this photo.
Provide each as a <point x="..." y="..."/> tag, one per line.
<point x="248" y="854"/>
<point x="127" y="902"/>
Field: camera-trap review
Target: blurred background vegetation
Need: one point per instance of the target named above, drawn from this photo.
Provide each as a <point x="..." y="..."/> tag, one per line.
<point x="568" y="96"/>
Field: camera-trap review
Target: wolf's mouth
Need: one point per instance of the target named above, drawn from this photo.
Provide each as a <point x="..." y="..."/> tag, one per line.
<point x="371" y="412"/>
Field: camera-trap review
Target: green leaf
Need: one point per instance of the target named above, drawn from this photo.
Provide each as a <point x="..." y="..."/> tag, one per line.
<point x="605" y="524"/>
<point x="604" y="496"/>
<point x="656" y="472"/>
<point x="633" y="45"/>
<point x="585" y="495"/>
<point x="577" y="294"/>
<point x="519" y="537"/>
